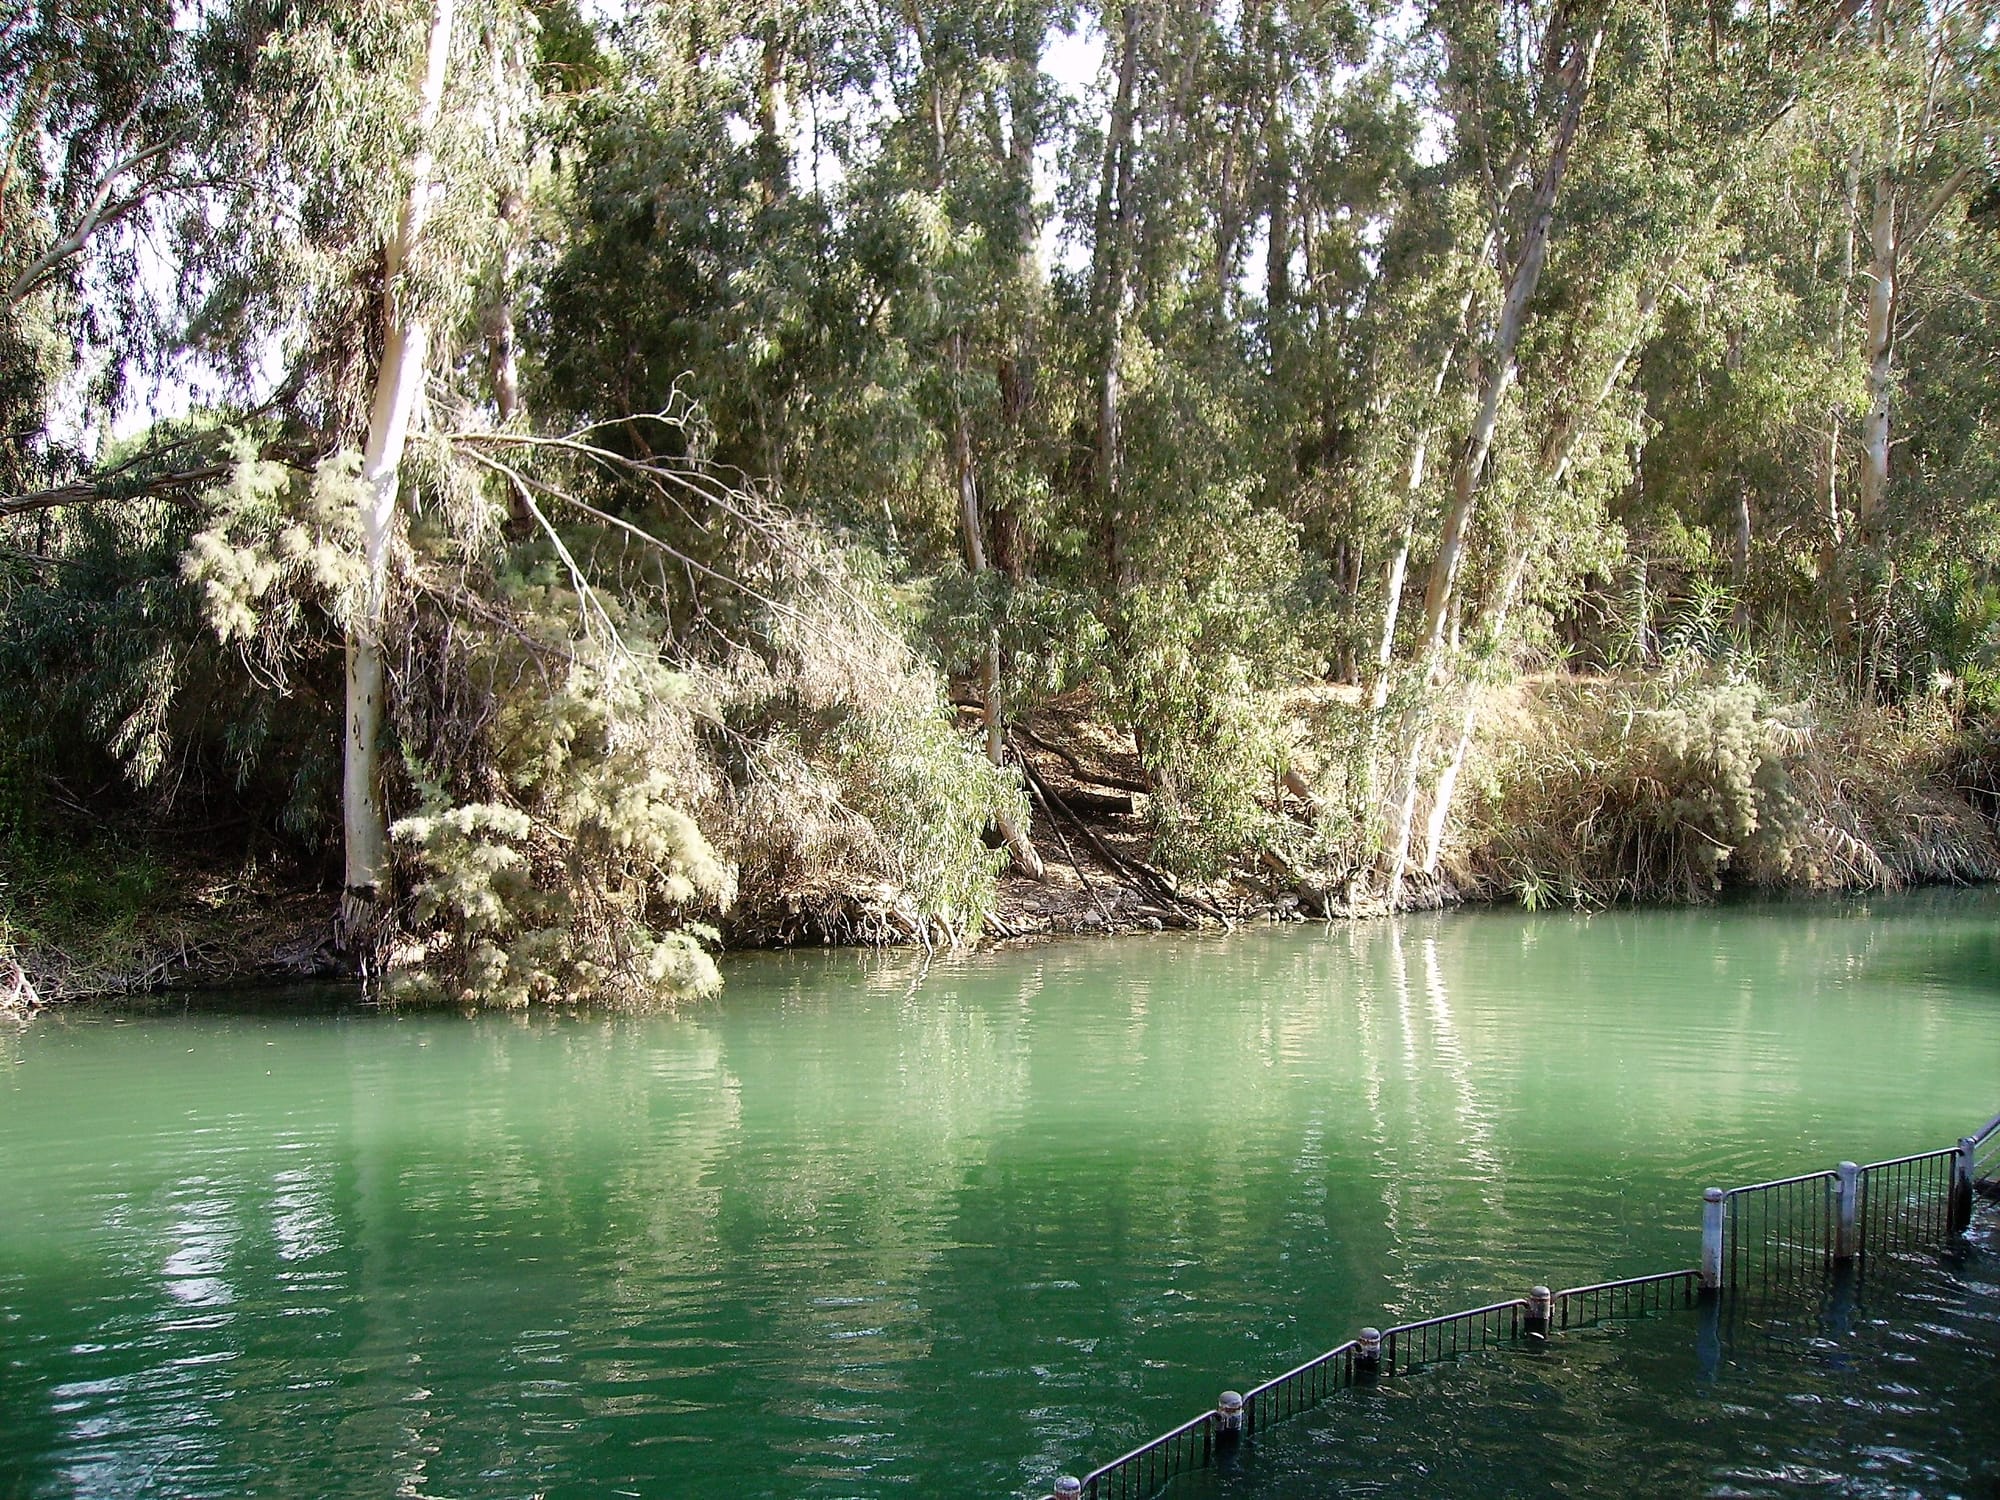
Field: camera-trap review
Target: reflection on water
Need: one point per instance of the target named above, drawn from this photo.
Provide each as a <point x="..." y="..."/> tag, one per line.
<point x="835" y="1236"/>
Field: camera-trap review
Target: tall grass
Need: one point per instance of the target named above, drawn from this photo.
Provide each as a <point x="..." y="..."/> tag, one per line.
<point x="1672" y="784"/>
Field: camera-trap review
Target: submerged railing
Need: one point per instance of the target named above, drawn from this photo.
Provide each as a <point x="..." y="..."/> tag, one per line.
<point x="1767" y="1239"/>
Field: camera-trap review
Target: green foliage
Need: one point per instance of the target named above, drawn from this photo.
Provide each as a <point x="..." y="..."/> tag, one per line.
<point x="856" y="780"/>
<point x="1210" y="644"/>
<point x="758" y="413"/>
<point x="582" y="884"/>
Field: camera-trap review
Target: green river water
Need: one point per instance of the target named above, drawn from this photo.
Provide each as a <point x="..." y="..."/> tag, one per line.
<point x="844" y="1234"/>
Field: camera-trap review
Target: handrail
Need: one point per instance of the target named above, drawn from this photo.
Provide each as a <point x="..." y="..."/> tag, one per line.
<point x="1779" y="1182"/>
<point x="1626" y="1281"/>
<point x="1143" y="1449"/>
<point x="1910" y="1160"/>
<point x="1458" y="1317"/>
<point x="1350" y="1347"/>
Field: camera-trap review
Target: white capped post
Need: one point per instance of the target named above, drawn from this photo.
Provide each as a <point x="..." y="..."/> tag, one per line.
<point x="1711" y="1241"/>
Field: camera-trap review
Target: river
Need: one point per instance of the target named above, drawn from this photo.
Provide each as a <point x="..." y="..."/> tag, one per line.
<point x="859" y="1229"/>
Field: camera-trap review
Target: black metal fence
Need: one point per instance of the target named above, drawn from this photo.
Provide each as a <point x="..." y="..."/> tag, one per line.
<point x="1145" y="1470"/>
<point x="1411" y="1346"/>
<point x="1986" y="1150"/>
<point x="1780" y="1233"/>
<point x="1768" y="1239"/>
<point x="1906" y="1202"/>
<point x="1635" y="1297"/>
<point x="1294" y="1391"/>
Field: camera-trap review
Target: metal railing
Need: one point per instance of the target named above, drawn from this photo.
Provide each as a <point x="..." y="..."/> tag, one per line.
<point x="1146" y="1469"/>
<point x="1636" y="1296"/>
<point x="1295" y="1391"/>
<point x="1986" y="1148"/>
<point x="1765" y="1239"/>
<point x="1779" y="1233"/>
<point x="1411" y="1346"/>
<point x="1906" y="1201"/>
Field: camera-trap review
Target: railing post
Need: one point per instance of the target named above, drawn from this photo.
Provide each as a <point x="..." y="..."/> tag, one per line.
<point x="1068" y="1487"/>
<point x="1228" y="1418"/>
<point x="1711" y="1241"/>
<point x="1846" y="1213"/>
<point x="1541" y="1302"/>
<point x="1368" y="1358"/>
<point x="1961" y="1185"/>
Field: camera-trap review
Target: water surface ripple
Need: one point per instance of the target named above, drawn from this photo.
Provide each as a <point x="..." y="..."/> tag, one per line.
<point x="836" y="1235"/>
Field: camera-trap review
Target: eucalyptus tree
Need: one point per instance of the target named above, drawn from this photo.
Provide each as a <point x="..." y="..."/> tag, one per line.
<point x="113" y="124"/>
<point x="325" y="270"/>
<point x="1513" y="83"/>
<point x="1912" y="107"/>
<point x="1650" y="157"/>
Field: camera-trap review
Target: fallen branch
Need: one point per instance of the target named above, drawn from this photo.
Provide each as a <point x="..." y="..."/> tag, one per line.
<point x="1137" y="873"/>
<point x="86" y="492"/>
<point x="1076" y="767"/>
<point x="1055" y="826"/>
<point x="16" y="993"/>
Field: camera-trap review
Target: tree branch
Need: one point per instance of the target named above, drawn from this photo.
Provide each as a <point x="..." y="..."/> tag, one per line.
<point x="91" y="491"/>
<point x="1934" y="205"/>
<point x="101" y="211"/>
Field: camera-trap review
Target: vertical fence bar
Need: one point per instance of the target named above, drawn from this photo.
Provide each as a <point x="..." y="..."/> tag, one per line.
<point x="1847" y="1201"/>
<point x="1711" y="1241"/>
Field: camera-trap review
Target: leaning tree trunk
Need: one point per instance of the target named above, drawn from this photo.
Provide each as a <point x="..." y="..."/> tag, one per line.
<point x="1557" y="454"/>
<point x="1438" y="824"/>
<point x="1833" y="569"/>
<point x="1469" y="472"/>
<point x="398" y="384"/>
<point x="1394" y="570"/>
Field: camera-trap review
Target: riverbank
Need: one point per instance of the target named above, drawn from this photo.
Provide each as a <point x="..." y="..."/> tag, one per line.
<point x="190" y="926"/>
<point x="1581" y="790"/>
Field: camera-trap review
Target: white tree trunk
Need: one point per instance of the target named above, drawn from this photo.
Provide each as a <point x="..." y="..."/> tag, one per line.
<point x="1497" y="378"/>
<point x="1439" y="822"/>
<point x="398" y="385"/>
<point x="1394" y="571"/>
<point x="1833" y="572"/>
<point x="1557" y="454"/>
<point x="1881" y="354"/>
<point x="1406" y="818"/>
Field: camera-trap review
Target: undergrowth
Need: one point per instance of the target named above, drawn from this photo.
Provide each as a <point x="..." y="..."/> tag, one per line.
<point x="1670" y="785"/>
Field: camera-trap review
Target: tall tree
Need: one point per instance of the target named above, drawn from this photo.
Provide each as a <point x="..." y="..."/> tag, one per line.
<point x="398" y="386"/>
